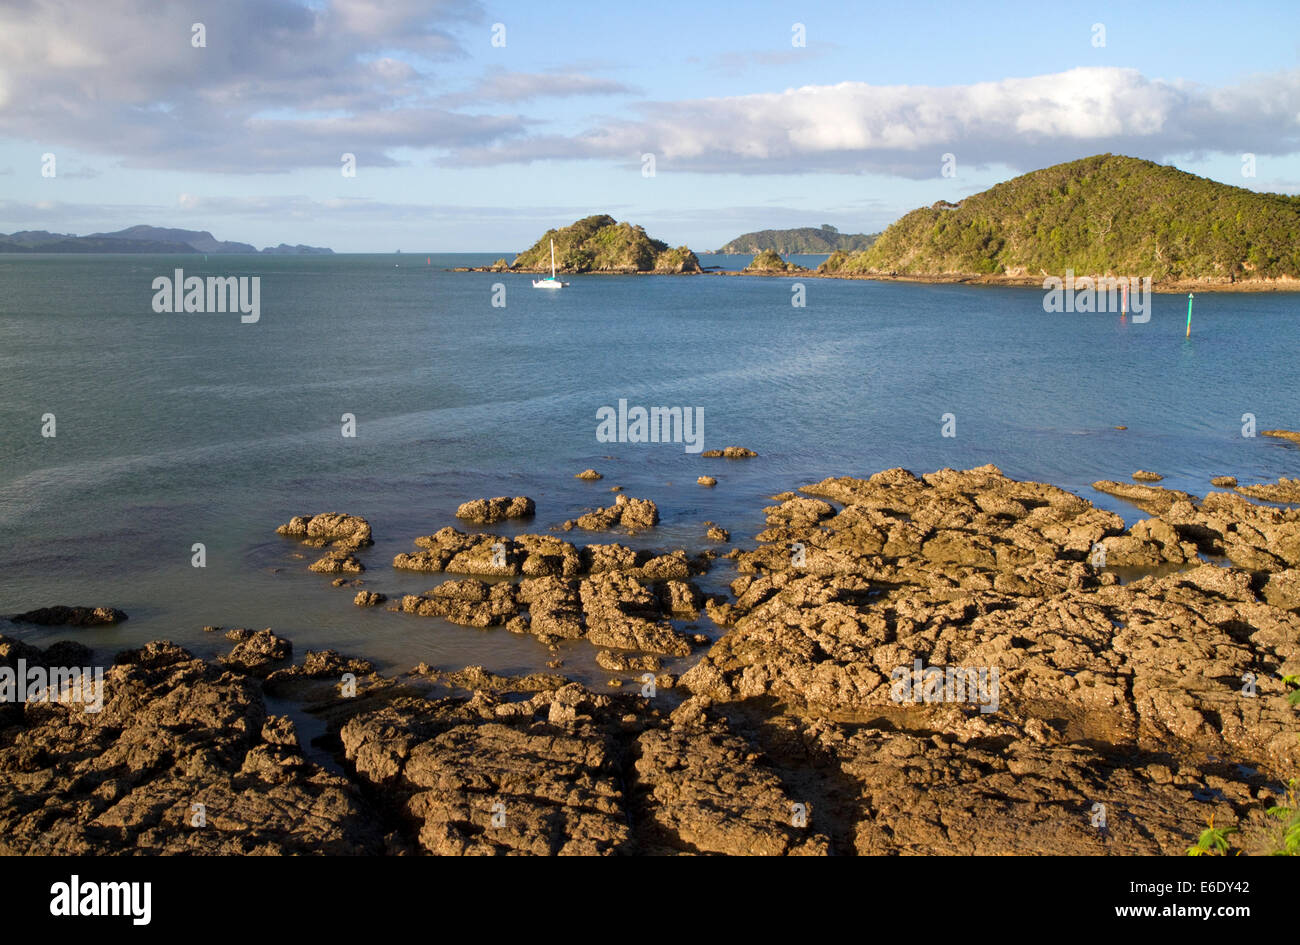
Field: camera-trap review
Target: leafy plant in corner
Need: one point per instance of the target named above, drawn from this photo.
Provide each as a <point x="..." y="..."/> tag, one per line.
<point x="1213" y="841"/>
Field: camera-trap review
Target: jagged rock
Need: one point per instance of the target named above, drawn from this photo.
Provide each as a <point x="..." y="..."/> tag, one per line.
<point x="467" y="780"/>
<point x="1284" y="490"/>
<point x="1143" y="475"/>
<point x="589" y="474"/>
<point x="730" y="452"/>
<point x="369" y="598"/>
<point x="182" y="759"/>
<point x="632" y="514"/>
<point x="257" y="653"/>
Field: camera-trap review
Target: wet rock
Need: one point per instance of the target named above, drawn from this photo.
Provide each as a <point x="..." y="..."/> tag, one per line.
<point x="554" y="609"/>
<point x="458" y="553"/>
<point x="715" y="533"/>
<point x="730" y="452"/>
<point x="61" y="615"/>
<point x="1224" y="482"/>
<point x="620" y="614"/>
<point x="471" y="603"/>
<point x="1143" y="475"/>
<point x="707" y="481"/>
<point x="369" y="598"/>
<point x="626" y="662"/>
<point x="1291" y="435"/>
<point x="589" y="474"/>
<point x="337" y="562"/>
<point x="345" y="532"/>
<point x="328" y="664"/>
<point x="1153" y="499"/>
<point x="632" y="514"/>
<point x="490" y="511"/>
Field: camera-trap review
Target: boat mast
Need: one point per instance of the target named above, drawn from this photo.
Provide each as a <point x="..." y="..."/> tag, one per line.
<point x="552" y="259"/>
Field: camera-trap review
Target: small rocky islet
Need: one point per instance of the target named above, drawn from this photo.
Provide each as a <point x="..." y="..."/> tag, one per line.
<point x="1160" y="697"/>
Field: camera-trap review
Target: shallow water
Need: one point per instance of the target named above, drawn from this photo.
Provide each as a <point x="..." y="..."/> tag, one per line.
<point x="174" y="429"/>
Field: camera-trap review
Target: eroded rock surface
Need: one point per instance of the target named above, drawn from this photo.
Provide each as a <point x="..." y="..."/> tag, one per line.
<point x="1076" y="709"/>
<point x="183" y="758"/>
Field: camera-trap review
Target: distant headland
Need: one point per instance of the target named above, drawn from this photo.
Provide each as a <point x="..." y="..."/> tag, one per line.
<point x="141" y="239"/>
<point x="805" y="241"/>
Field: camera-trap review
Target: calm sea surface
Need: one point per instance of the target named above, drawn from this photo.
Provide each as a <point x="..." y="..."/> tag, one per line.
<point x="181" y="428"/>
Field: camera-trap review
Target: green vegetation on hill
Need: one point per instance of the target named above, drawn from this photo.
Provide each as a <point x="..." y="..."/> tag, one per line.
<point x="769" y="261"/>
<point x="601" y="244"/>
<point x="805" y="240"/>
<point x="1105" y="214"/>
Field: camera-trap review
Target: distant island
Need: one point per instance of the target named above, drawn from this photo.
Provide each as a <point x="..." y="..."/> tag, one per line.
<point x="1102" y="215"/>
<point x="599" y="243"/>
<point x="140" y="239"/>
<point x="806" y="240"/>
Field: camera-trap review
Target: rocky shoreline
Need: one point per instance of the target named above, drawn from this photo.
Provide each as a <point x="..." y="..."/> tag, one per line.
<point x="1132" y="683"/>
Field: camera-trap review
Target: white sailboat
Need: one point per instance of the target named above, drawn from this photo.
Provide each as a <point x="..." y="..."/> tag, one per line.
<point x="552" y="282"/>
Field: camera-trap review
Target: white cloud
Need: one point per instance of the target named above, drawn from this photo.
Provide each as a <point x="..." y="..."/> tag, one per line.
<point x="856" y="127"/>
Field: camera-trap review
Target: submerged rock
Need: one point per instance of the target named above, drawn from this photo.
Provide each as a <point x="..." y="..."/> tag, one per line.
<point x="61" y="615"/>
<point x="730" y="452"/>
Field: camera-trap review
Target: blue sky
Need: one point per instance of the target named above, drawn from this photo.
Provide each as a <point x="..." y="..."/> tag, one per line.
<point x="466" y="145"/>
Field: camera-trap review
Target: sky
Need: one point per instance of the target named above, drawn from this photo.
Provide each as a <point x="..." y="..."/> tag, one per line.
<point x="477" y="126"/>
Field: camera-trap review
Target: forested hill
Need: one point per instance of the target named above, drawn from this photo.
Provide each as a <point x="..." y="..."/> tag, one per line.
<point x="806" y="240"/>
<point x="1103" y="214"/>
